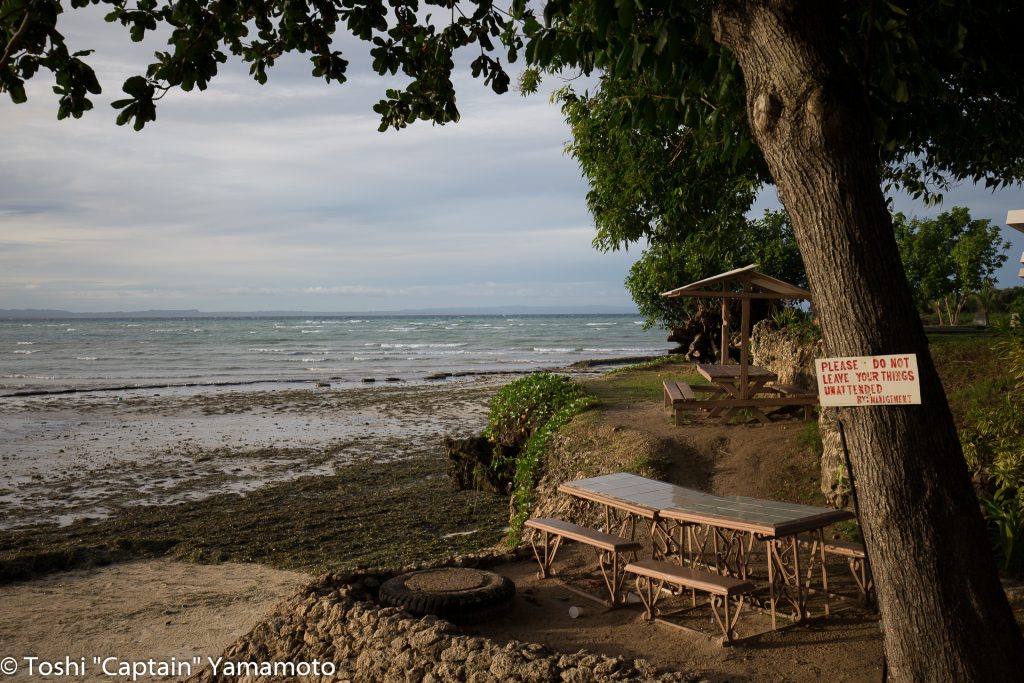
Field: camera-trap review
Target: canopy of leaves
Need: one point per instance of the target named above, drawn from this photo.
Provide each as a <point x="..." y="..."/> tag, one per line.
<point x="204" y="32"/>
<point x="938" y="79"/>
<point x="949" y="258"/>
<point x="651" y="182"/>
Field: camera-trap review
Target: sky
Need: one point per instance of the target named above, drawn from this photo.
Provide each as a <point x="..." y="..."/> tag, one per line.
<point x="285" y="197"/>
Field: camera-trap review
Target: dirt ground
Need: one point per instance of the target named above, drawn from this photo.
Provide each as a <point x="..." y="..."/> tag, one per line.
<point x="156" y="609"/>
<point x="846" y="646"/>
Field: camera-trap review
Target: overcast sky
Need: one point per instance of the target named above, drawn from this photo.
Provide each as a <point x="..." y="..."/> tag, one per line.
<point x="285" y="196"/>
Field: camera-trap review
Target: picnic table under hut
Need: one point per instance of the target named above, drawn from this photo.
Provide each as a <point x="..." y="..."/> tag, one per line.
<point x="734" y="387"/>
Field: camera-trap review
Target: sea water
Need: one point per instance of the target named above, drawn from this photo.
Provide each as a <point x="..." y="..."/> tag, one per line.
<point x="93" y="354"/>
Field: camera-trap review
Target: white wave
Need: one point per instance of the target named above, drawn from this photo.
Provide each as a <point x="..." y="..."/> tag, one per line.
<point x="601" y="324"/>
<point x="422" y="346"/>
<point x="71" y="329"/>
<point x="26" y="343"/>
<point x="311" y="331"/>
<point x="310" y="360"/>
<point x="26" y="352"/>
<point x="86" y="358"/>
<point x="555" y="350"/>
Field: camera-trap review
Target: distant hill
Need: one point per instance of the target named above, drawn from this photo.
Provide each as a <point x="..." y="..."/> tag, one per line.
<point x="51" y="314"/>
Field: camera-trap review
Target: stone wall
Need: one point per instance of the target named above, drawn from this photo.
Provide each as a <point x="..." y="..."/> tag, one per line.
<point x="337" y="620"/>
<point x="792" y="359"/>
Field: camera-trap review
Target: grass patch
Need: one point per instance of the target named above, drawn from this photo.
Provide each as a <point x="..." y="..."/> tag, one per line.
<point x="641" y="383"/>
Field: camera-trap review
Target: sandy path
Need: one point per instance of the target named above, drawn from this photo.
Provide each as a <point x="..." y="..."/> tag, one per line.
<point x="135" y="612"/>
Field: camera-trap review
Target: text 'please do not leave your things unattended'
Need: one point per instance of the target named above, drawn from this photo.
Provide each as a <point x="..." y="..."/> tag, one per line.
<point x="868" y="380"/>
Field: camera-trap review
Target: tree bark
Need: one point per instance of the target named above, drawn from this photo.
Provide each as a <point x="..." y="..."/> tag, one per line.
<point x="945" y="615"/>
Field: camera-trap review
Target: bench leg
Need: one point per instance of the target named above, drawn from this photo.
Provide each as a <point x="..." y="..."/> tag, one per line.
<point x="614" y="575"/>
<point x="859" y="570"/>
<point x="728" y="625"/>
<point x="545" y="555"/>
<point x="650" y="591"/>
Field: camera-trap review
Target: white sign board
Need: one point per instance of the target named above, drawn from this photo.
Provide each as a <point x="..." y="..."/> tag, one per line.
<point x="868" y="380"/>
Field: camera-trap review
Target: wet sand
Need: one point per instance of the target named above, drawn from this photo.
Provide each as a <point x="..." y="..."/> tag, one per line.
<point x="82" y="456"/>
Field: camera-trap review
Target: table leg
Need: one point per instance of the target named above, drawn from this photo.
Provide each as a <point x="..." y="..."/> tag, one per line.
<point x="664" y="544"/>
<point x="785" y="577"/>
<point x="727" y="551"/>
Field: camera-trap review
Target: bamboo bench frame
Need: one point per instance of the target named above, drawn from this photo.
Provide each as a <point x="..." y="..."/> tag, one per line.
<point x="552" y="531"/>
<point x="652" y="575"/>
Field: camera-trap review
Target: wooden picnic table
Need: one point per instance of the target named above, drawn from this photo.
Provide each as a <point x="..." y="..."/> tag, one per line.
<point x="732" y="381"/>
<point x="734" y="388"/>
<point x="720" y="531"/>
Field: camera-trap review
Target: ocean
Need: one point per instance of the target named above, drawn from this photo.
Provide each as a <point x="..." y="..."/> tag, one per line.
<point x="93" y="354"/>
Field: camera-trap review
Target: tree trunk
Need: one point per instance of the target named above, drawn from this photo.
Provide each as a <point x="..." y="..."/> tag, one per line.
<point x="946" y="617"/>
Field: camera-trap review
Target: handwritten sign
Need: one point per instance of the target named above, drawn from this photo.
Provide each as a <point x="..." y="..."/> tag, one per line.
<point x="868" y="380"/>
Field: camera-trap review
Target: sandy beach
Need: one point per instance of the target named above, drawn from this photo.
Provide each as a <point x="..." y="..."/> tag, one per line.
<point x="133" y="612"/>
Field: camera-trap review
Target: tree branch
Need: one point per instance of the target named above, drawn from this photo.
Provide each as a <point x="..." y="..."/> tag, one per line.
<point x="12" y="44"/>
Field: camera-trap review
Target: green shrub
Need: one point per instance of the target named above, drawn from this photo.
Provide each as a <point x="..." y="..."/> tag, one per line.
<point x="797" y="322"/>
<point x="524" y="415"/>
<point x="993" y="444"/>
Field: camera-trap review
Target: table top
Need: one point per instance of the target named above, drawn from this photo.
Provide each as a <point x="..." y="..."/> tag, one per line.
<point x="658" y="499"/>
<point x="732" y="371"/>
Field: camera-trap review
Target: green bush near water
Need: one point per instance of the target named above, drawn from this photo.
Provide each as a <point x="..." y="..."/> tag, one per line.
<point x="524" y="415"/>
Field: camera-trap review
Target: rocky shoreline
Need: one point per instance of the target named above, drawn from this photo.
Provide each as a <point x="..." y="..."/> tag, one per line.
<point x="295" y="478"/>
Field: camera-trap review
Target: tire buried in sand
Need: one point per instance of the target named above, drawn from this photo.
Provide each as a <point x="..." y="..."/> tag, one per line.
<point x="455" y="594"/>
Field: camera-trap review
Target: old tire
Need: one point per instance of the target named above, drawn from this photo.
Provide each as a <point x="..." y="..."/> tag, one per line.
<point x="458" y="595"/>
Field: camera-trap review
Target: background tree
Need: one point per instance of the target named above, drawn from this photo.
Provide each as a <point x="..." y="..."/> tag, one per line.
<point x="835" y="99"/>
<point x="635" y="174"/>
<point x="949" y="258"/>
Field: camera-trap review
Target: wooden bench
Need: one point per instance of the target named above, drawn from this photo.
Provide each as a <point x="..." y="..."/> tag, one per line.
<point x="652" y="575"/>
<point x="680" y="397"/>
<point x="611" y="547"/>
<point x="855" y="559"/>
<point x="808" y="398"/>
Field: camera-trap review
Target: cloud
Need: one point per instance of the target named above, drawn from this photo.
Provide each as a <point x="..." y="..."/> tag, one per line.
<point x="248" y="193"/>
<point x="245" y="197"/>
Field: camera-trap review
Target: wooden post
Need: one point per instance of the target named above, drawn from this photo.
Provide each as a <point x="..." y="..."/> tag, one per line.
<point x="744" y="346"/>
<point x="723" y="347"/>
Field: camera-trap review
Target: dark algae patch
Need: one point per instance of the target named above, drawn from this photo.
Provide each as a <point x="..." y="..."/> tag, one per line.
<point x="366" y="514"/>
